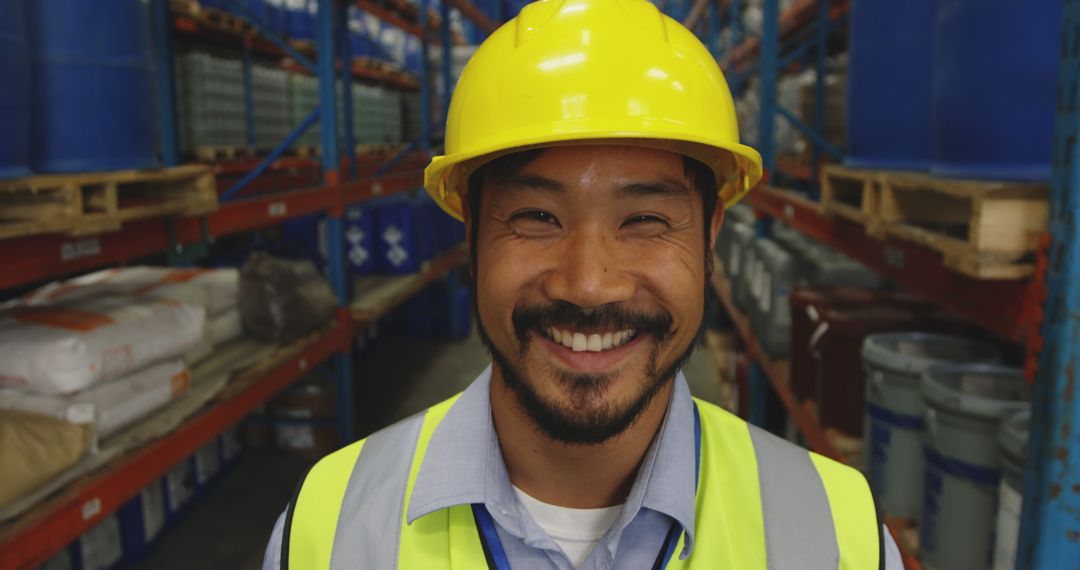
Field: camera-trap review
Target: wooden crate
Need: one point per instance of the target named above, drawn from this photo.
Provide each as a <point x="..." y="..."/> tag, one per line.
<point x="853" y="194"/>
<point x="89" y="203"/>
<point x="986" y="229"/>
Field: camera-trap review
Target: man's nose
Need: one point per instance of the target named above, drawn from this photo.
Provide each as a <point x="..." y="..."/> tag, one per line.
<point x="588" y="271"/>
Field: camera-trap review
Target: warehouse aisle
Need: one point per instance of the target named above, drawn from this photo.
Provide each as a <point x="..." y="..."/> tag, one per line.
<point x="229" y="528"/>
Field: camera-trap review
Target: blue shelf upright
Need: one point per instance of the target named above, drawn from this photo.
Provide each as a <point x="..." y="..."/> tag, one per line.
<point x="1050" y="522"/>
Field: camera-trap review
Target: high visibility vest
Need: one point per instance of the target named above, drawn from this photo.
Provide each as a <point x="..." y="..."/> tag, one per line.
<point x="762" y="503"/>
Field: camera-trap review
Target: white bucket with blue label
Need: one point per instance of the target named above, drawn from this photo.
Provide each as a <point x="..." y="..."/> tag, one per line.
<point x="894" y="364"/>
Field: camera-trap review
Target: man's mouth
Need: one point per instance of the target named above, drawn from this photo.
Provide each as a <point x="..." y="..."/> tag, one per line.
<point x="592" y="341"/>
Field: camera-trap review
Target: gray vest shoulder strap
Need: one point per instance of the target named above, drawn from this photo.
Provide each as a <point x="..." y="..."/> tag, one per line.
<point x="369" y="525"/>
<point x="799" y="529"/>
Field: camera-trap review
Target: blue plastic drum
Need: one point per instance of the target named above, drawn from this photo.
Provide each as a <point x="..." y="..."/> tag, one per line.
<point x="995" y="88"/>
<point x="92" y="105"/>
<point x="15" y="94"/>
<point x="890" y="77"/>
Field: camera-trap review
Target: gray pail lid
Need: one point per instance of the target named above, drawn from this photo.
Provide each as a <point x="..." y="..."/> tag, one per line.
<point x="917" y="352"/>
<point x="1013" y="435"/>
<point x="986" y="391"/>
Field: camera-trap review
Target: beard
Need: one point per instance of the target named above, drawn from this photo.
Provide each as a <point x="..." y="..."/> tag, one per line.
<point x="586" y="420"/>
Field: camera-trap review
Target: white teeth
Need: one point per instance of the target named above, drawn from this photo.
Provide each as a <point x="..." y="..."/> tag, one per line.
<point x="580" y="342"/>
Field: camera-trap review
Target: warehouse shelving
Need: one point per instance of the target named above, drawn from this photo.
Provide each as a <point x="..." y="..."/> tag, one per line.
<point x="1032" y="312"/>
<point x="53" y="523"/>
<point x="384" y="292"/>
<point x="48" y="527"/>
<point x="56" y="521"/>
<point x="1010" y="308"/>
<point x="777" y="373"/>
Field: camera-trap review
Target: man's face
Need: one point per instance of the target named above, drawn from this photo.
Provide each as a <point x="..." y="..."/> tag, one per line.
<point x="590" y="277"/>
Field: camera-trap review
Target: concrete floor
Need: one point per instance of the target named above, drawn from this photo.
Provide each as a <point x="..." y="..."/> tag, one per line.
<point x="229" y="528"/>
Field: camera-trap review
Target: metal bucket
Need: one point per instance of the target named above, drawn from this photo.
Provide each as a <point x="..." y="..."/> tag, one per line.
<point x="894" y="364"/>
<point x="964" y="407"/>
<point x="1012" y="447"/>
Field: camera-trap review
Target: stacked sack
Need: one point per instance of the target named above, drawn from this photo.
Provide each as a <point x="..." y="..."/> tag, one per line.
<point x="81" y="359"/>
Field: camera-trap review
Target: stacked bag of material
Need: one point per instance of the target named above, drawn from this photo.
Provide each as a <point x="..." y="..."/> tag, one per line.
<point x="82" y="359"/>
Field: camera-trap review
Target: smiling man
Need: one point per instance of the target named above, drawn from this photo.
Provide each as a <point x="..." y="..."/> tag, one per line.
<point x="591" y="150"/>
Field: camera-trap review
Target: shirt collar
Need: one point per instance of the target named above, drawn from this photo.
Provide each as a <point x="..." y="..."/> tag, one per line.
<point x="463" y="465"/>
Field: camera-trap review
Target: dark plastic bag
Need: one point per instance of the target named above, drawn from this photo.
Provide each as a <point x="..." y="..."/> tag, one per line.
<point x="283" y="299"/>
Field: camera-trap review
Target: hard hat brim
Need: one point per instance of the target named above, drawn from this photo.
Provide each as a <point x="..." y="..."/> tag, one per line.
<point x="446" y="177"/>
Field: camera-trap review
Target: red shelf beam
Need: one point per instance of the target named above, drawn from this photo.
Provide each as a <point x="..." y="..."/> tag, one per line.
<point x="47" y="529"/>
<point x="390" y="17"/>
<point x="794" y="18"/>
<point x="777" y="372"/>
<point x="208" y="31"/>
<point x="38" y="258"/>
<point x="1011" y="309"/>
<point x="470" y="11"/>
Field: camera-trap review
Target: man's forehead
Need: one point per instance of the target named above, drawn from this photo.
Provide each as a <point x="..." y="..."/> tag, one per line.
<point x="629" y="171"/>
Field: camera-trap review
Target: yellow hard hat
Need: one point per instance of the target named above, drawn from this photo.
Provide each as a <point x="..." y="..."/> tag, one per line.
<point x="587" y="71"/>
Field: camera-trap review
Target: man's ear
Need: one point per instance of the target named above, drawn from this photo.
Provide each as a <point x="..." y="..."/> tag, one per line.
<point x="714" y="225"/>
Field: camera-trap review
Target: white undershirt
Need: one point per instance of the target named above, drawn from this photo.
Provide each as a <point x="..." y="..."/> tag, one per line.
<point x="576" y="531"/>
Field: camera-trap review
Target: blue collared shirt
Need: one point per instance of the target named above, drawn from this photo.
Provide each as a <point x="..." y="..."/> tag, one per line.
<point x="464" y="465"/>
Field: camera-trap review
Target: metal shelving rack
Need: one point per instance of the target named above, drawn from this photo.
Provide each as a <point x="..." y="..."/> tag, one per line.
<point x="1034" y="312"/>
<point x="249" y="203"/>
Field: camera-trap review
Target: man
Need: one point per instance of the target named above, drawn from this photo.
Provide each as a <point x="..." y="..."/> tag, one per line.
<point x="591" y="150"/>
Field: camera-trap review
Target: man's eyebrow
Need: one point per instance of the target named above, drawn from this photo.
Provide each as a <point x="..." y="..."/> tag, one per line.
<point x="529" y="182"/>
<point x="664" y="187"/>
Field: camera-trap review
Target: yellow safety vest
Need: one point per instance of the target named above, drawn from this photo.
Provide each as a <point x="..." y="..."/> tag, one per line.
<point x="755" y="507"/>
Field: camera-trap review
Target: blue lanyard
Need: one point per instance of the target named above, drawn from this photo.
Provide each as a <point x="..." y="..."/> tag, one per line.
<point x="496" y="555"/>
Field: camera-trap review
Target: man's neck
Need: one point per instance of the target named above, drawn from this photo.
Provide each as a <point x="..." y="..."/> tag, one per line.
<point x="575" y="476"/>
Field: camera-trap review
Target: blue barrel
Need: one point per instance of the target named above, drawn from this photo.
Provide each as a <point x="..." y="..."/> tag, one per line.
<point x="995" y="88"/>
<point x="92" y="86"/>
<point x="300" y="15"/>
<point x="15" y="95"/>
<point x="890" y="79"/>
<point x="258" y="13"/>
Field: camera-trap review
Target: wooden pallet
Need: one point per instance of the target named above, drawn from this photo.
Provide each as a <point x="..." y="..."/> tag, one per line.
<point x="218" y="153"/>
<point x="984" y="229"/>
<point x="226" y="20"/>
<point x="306" y="151"/>
<point x="852" y="194"/>
<point x="378" y="149"/>
<point x="90" y="203"/>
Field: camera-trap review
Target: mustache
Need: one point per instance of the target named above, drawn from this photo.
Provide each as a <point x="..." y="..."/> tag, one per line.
<point x="565" y="315"/>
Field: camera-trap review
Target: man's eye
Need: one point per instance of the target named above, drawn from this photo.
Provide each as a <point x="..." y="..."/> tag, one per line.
<point x="643" y="219"/>
<point x="535" y="216"/>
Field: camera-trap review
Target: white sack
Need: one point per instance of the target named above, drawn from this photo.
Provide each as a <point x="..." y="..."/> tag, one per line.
<point x="111" y="405"/>
<point x="213" y="289"/>
<point x="225" y="326"/>
<point x="60" y="349"/>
